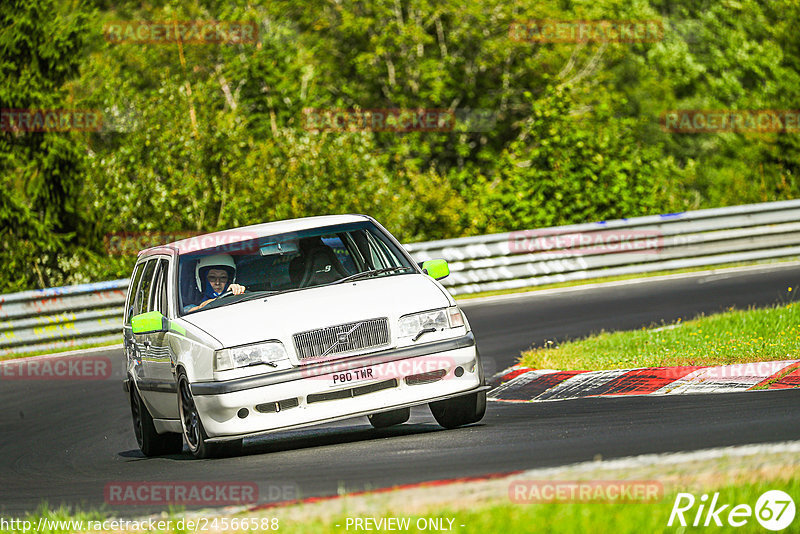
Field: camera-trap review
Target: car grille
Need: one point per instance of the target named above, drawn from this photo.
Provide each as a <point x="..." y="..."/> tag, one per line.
<point x="342" y="338"/>
<point x="425" y="378"/>
<point x="279" y="406"/>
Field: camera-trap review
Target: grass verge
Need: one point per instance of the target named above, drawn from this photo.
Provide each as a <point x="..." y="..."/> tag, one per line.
<point x="735" y="336"/>
<point x="485" y="506"/>
<point x="575" y="517"/>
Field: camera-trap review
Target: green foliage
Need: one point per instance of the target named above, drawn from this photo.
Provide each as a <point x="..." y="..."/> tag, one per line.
<point x="732" y="55"/>
<point x="40" y="217"/>
<point x="201" y="137"/>
<point x="570" y="167"/>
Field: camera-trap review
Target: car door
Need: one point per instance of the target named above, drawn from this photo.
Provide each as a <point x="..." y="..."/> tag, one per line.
<point x="140" y="343"/>
<point x="134" y="359"/>
<point x="161" y="359"/>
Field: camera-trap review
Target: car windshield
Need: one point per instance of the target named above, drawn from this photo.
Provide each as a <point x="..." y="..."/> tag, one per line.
<point x="288" y="262"/>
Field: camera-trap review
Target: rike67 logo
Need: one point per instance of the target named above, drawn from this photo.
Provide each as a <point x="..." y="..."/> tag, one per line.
<point x="774" y="510"/>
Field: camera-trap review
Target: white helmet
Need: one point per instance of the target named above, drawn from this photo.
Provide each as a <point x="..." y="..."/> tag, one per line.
<point x="223" y="261"/>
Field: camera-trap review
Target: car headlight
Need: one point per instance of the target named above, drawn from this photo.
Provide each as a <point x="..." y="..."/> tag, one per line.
<point x="419" y="323"/>
<point x="246" y="355"/>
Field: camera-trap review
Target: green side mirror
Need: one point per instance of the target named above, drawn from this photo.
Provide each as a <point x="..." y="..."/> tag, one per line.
<point x="148" y="323"/>
<point x="436" y="269"/>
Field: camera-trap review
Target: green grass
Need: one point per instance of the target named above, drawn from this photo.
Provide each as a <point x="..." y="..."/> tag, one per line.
<point x="53" y="521"/>
<point x="599" y="278"/>
<point x="502" y="515"/>
<point x="577" y="518"/>
<point x="736" y="336"/>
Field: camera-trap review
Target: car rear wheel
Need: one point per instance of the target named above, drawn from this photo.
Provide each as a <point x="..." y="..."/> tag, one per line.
<point x="151" y="442"/>
<point x="386" y="419"/>
<point x="193" y="431"/>
<point x="460" y="411"/>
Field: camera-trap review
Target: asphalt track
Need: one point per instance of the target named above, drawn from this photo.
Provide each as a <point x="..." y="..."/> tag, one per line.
<point x="63" y="441"/>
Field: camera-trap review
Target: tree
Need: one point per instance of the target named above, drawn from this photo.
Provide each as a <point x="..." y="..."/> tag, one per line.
<point x="571" y="165"/>
<point x="41" y="45"/>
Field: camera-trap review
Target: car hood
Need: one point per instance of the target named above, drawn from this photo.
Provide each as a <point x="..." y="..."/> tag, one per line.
<point x="281" y="316"/>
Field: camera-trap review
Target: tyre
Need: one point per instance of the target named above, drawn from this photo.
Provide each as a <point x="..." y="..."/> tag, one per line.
<point x="386" y="419"/>
<point x="193" y="431"/>
<point x="151" y="442"/>
<point x="459" y="411"/>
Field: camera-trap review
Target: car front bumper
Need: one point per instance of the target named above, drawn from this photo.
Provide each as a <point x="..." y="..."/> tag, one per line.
<point x="339" y="389"/>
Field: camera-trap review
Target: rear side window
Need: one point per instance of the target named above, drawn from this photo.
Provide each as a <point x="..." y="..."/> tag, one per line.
<point x="143" y="292"/>
<point x="137" y="276"/>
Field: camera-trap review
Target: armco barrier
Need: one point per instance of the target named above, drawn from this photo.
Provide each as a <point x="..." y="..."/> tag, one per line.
<point x="61" y="317"/>
<point x="627" y="246"/>
<point x="73" y="315"/>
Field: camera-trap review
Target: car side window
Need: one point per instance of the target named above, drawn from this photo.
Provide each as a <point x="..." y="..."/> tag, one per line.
<point x="143" y="293"/>
<point x="162" y="293"/>
<point x="137" y="276"/>
<point x="158" y="293"/>
<point x="341" y="251"/>
<point x="378" y="253"/>
<point x="188" y="294"/>
<point x="387" y="250"/>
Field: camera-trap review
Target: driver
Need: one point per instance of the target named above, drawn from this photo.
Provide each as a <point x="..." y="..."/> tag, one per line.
<point x="213" y="275"/>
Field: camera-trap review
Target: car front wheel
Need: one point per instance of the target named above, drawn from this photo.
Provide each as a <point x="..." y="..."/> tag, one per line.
<point x="193" y="431"/>
<point x="460" y="411"/>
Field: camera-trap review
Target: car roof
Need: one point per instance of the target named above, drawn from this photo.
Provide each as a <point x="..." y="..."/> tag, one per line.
<point x="255" y="231"/>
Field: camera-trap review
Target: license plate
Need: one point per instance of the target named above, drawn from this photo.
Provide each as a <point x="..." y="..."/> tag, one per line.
<point x="353" y="375"/>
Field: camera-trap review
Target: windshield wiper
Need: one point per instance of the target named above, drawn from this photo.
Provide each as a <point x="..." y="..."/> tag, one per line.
<point x="373" y="272"/>
<point x="274" y="292"/>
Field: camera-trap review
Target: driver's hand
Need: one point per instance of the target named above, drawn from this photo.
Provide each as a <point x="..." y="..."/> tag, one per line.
<point x="236" y="289"/>
<point x="201" y="305"/>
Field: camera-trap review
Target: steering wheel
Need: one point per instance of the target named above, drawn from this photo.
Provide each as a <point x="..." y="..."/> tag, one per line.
<point x="228" y="292"/>
<point x="223" y="294"/>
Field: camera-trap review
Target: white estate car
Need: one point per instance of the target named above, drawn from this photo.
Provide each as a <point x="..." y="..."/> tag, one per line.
<point x="324" y="318"/>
